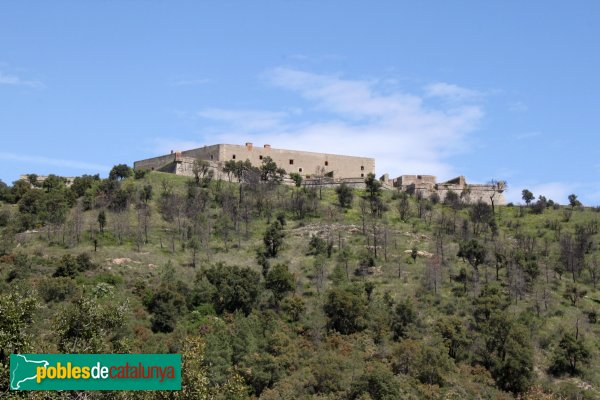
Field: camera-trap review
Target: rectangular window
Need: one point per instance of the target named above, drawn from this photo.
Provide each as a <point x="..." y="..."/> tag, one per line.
<point x="291" y="162"/>
<point x="260" y="157"/>
<point x="362" y="167"/>
<point x="233" y="157"/>
<point x="211" y="156"/>
<point x="362" y="175"/>
<point x="299" y="169"/>
<point x="326" y="163"/>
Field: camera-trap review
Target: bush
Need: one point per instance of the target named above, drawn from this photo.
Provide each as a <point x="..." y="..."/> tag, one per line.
<point x="378" y="382"/>
<point x="70" y="266"/>
<point x="139" y="173"/>
<point x="166" y="305"/>
<point x="236" y="288"/>
<point x="345" y="195"/>
<point x="57" y="289"/>
<point x="280" y="281"/>
<point x="4" y="217"/>
<point x="346" y="310"/>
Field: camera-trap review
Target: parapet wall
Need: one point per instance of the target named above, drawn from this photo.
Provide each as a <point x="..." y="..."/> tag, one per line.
<point x="470" y="193"/>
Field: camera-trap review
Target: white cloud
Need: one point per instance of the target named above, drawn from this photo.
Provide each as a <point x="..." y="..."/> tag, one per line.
<point x="401" y="130"/>
<point x="14" y="80"/>
<point x="449" y="91"/>
<point x="55" y="162"/>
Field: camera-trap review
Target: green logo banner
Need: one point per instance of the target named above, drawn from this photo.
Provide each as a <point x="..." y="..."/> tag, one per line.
<point x="95" y="371"/>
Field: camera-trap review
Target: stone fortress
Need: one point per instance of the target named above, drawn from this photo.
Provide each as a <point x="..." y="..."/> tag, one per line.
<point x="319" y="169"/>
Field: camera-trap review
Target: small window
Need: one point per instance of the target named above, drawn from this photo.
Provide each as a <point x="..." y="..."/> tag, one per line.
<point x="233" y="157"/>
<point x="152" y="168"/>
<point x="211" y="156"/>
<point x="326" y="163"/>
<point x="299" y="169"/>
<point x="362" y="175"/>
<point x="260" y="157"/>
<point x="362" y="167"/>
<point x="291" y="162"/>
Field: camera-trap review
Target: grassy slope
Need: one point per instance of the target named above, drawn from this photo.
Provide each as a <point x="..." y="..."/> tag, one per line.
<point x="146" y="266"/>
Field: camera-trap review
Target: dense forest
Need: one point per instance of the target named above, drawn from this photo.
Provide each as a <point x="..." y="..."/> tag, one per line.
<point x="273" y="291"/>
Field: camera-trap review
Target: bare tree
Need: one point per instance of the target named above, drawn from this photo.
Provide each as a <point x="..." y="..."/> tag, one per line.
<point x="497" y="188"/>
<point x="433" y="273"/>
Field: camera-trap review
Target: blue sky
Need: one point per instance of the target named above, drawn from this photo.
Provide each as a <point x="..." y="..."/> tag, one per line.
<point x="490" y="90"/>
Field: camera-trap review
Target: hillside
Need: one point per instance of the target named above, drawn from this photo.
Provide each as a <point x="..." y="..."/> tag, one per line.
<point x="279" y="292"/>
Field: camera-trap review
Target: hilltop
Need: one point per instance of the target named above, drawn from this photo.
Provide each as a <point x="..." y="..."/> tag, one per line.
<point x="292" y="292"/>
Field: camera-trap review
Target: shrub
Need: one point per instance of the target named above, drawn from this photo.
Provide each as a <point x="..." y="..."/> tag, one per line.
<point x="57" y="289"/>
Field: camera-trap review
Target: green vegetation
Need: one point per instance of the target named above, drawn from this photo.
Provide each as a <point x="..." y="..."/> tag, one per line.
<point x="296" y="292"/>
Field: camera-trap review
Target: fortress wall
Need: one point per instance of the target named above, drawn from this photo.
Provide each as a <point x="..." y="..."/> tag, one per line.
<point x="303" y="162"/>
<point x="155" y="163"/>
<point x="475" y="193"/>
<point x="355" y="183"/>
<point x="185" y="166"/>
<point x="483" y="193"/>
<point x="417" y="180"/>
<point x="208" y="153"/>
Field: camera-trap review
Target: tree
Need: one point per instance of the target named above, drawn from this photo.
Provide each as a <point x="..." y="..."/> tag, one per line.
<point x="376" y="383"/>
<point x="317" y="246"/>
<point x="56" y="208"/>
<point x="119" y="172"/>
<point x="203" y="174"/>
<point x="17" y="310"/>
<point x="481" y="215"/>
<point x="195" y="376"/>
<point x="454" y="333"/>
<point x="235" y="288"/>
<point x="573" y="202"/>
<point x="18" y="190"/>
<point x="373" y="195"/>
<point x="53" y="182"/>
<point x="270" y="172"/>
<point x="403" y="206"/>
<point x="345" y="310"/>
<point x="497" y="187"/>
<point x="294" y="306"/>
<point x="452" y="199"/>
<point x="166" y="304"/>
<point x="414" y="252"/>
<point x="273" y="239"/>
<point x="573" y="293"/>
<point x="297" y="178"/>
<point x="527" y="196"/>
<point x="404" y="315"/>
<point x="280" y="281"/>
<point x="101" y="220"/>
<point x="472" y="251"/>
<point x="570" y="354"/>
<point x="373" y="186"/>
<point x="345" y="195"/>
<point x="513" y="370"/>
<point x="88" y="324"/>
<point x="83" y="183"/>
